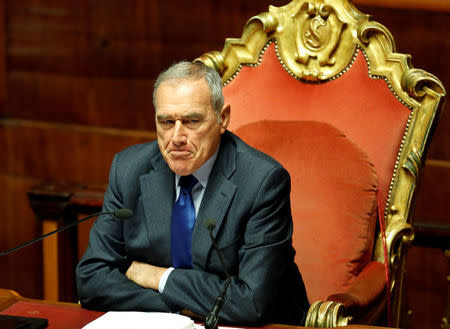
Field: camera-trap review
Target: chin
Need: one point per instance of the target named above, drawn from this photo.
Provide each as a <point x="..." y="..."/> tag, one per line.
<point x="182" y="171"/>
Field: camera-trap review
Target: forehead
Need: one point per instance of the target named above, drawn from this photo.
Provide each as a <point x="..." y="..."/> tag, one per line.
<point x="181" y="90"/>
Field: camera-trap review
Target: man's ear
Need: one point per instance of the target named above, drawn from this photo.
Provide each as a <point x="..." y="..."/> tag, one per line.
<point x="225" y="114"/>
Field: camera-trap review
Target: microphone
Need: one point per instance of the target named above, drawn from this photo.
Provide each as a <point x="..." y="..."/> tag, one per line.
<point x="213" y="317"/>
<point x="123" y="213"/>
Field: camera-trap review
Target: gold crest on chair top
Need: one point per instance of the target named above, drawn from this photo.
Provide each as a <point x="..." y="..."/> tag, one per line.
<point x="316" y="42"/>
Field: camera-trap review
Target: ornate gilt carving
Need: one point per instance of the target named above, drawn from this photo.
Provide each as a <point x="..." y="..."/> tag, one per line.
<point x="318" y="31"/>
<point x="213" y="59"/>
<point x="268" y="21"/>
<point x="399" y="236"/>
<point x="314" y="42"/>
<point x="326" y="315"/>
<point x="370" y="28"/>
<point x="415" y="82"/>
<point x="413" y="164"/>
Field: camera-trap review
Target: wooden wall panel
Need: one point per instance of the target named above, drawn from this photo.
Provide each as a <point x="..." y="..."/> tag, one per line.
<point x="437" y="5"/>
<point x="67" y="153"/>
<point x="108" y="38"/>
<point x="2" y="56"/>
<point x="427" y="287"/>
<point x="434" y="194"/>
<point x="427" y="268"/>
<point x="119" y="103"/>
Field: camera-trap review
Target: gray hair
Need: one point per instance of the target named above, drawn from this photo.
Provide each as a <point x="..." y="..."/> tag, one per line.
<point x="194" y="71"/>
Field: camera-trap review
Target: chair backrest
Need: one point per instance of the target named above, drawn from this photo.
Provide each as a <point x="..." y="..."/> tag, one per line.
<point x="324" y="61"/>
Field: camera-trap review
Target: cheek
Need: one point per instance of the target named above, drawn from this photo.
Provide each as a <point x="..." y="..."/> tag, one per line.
<point x="207" y="143"/>
<point x="196" y="140"/>
<point x="163" y="139"/>
<point x="160" y="145"/>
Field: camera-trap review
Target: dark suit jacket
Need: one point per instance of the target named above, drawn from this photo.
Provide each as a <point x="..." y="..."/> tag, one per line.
<point x="248" y="197"/>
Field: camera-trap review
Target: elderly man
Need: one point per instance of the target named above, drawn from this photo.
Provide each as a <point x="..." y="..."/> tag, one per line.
<point x="162" y="258"/>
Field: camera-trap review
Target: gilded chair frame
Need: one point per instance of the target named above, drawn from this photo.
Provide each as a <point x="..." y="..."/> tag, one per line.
<point x="314" y="55"/>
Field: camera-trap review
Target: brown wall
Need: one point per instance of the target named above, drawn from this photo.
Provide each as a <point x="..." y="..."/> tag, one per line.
<point x="75" y="87"/>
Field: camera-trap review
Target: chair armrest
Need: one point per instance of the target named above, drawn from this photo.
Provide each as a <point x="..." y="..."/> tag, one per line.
<point x="361" y="302"/>
<point x="364" y="291"/>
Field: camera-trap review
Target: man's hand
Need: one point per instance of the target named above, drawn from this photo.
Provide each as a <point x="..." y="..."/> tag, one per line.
<point x="145" y="275"/>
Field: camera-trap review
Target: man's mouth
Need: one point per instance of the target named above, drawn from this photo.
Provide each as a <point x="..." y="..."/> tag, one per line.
<point x="180" y="153"/>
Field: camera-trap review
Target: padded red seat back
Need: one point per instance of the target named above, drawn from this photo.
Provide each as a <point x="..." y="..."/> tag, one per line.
<point x="333" y="199"/>
<point x="362" y="107"/>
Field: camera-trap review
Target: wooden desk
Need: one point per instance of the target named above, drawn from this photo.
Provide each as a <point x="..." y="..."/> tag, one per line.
<point x="73" y="316"/>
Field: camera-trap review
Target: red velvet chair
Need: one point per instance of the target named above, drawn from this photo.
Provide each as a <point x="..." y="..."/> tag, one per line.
<point x="318" y="85"/>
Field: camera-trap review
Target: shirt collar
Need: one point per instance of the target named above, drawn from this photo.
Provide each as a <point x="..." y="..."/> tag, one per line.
<point x="202" y="173"/>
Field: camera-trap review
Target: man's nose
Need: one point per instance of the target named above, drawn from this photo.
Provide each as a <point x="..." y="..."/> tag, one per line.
<point x="179" y="136"/>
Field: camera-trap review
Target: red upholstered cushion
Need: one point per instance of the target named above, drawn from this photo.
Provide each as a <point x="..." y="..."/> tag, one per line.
<point x="333" y="199"/>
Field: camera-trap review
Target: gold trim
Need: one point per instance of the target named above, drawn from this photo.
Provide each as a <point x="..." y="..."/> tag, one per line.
<point x="249" y="64"/>
<point x="418" y="82"/>
<point x="213" y="59"/>
<point x="413" y="164"/>
<point x="374" y="27"/>
<point x="268" y="21"/>
<point x="326" y="315"/>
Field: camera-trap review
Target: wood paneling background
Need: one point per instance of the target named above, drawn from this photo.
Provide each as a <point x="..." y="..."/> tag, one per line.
<point x="76" y="86"/>
<point x="2" y="55"/>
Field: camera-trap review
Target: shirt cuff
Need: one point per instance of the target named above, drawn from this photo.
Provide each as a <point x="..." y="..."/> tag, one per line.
<point x="163" y="281"/>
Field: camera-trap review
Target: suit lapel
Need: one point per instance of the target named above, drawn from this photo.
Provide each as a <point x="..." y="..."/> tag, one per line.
<point x="158" y="193"/>
<point x="216" y="200"/>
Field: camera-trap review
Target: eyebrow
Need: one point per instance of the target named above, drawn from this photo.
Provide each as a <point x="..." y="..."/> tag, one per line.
<point x="186" y="116"/>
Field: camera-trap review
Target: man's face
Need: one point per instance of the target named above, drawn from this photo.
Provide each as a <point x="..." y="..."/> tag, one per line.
<point x="188" y="128"/>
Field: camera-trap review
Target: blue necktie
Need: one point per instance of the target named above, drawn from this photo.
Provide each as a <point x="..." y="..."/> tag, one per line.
<point x="183" y="220"/>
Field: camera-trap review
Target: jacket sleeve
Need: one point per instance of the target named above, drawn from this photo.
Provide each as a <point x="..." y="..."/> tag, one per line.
<point x="265" y="257"/>
<point x="101" y="280"/>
